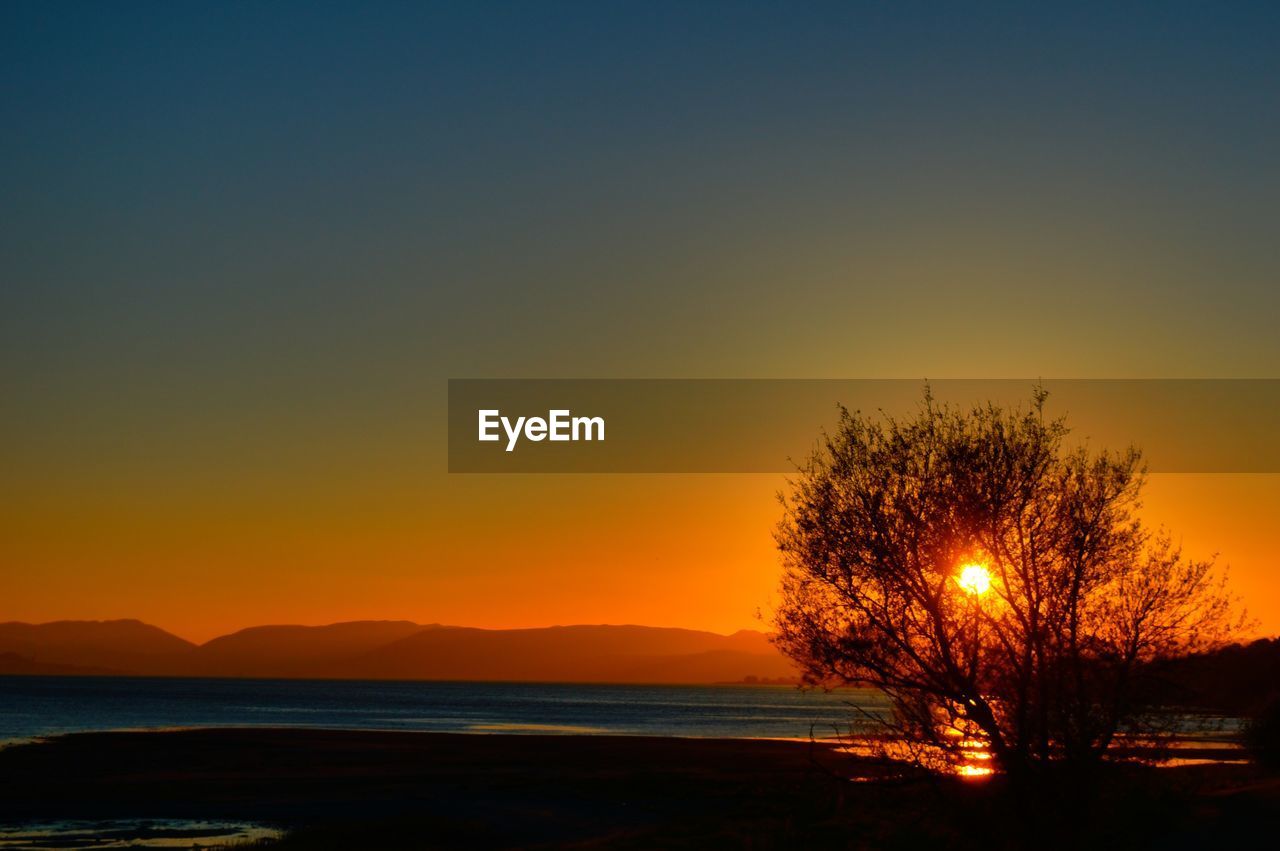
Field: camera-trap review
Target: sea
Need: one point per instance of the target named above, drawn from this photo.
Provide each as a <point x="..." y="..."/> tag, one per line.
<point x="32" y="707"/>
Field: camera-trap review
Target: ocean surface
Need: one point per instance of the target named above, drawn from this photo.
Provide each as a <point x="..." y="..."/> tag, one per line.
<point x="43" y="706"/>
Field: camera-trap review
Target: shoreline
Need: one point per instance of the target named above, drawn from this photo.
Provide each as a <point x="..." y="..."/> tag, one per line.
<point x="547" y="788"/>
<point x="373" y="788"/>
<point x="1178" y="751"/>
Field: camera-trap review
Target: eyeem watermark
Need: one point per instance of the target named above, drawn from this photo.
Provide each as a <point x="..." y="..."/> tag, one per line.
<point x="558" y="425"/>
<point x="707" y="425"/>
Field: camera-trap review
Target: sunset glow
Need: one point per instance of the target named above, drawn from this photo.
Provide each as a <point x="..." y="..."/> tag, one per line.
<point x="974" y="579"/>
<point x="191" y="450"/>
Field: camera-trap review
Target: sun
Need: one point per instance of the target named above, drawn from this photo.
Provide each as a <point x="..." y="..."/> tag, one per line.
<point x="974" y="579"/>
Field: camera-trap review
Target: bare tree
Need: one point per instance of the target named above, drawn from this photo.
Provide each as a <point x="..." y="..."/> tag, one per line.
<point x="995" y="583"/>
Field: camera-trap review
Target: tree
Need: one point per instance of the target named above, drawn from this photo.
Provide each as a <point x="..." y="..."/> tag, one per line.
<point x="994" y="582"/>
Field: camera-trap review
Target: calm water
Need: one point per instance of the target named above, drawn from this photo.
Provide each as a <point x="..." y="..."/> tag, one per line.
<point x="41" y="706"/>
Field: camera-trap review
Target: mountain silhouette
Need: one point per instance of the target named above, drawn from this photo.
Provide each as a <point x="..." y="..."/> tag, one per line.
<point x="396" y="650"/>
<point x="577" y="654"/>
<point x="117" y="645"/>
<point x="14" y="663"/>
<point x="295" y="651"/>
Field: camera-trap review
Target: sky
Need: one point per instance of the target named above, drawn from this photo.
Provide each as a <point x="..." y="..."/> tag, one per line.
<point x="243" y="247"/>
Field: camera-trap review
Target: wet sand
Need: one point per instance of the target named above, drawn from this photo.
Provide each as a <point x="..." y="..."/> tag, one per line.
<point x="335" y="789"/>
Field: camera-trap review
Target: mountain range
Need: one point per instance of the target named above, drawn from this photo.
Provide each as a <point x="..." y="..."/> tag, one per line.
<point x="395" y="650"/>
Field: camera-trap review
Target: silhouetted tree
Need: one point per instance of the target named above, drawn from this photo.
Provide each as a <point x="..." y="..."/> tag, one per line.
<point x="996" y="584"/>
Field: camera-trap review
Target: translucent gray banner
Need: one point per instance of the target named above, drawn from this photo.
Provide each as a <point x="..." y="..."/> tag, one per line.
<point x="760" y="425"/>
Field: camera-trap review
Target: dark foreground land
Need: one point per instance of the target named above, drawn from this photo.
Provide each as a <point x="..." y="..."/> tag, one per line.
<point x="338" y="789"/>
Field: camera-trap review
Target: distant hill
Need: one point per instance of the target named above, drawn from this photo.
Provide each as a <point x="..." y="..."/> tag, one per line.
<point x="577" y="654"/>
<point x="119" y="645"/>
<point x="12" y="663"/>
<point x="1235" y="678"/>
<point x="295" y="651"/>
<point x="396" y="650"/>
<point x="1232" y="679"/>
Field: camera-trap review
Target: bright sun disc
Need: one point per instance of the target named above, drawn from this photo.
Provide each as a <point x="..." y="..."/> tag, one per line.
<point x="974" y="579"/>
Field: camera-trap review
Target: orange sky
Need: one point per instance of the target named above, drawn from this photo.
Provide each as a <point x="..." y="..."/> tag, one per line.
<point x="242" y="253"/>
<point x="494" y="551"/>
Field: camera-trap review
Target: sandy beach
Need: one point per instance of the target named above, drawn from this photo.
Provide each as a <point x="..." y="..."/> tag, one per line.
<point x="337" y="789"/>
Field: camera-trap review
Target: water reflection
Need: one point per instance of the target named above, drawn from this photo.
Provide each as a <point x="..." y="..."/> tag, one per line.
<point x="972" y="759"/>
<point x="132" y="833"/>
